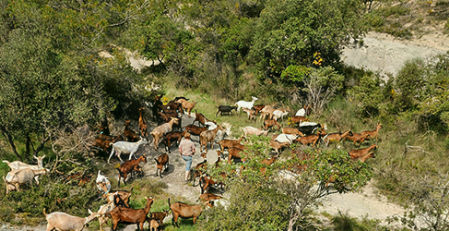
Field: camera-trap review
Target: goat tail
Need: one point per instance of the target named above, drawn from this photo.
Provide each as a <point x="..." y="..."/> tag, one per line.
<point x="156" y="161"/>
<point x="45" y="214"/>
<point x="169" y="203"/>
<point x="5" y="161"/>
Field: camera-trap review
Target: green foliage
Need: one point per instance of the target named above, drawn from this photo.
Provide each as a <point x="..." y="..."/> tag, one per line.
<point x="409" y="82"/>
<point x="368" y="95"/>
<point x="294" y="73"/>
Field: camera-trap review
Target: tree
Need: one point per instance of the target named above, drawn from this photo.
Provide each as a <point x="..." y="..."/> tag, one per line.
<point x="291" y="32"/>
<point x="321" y="85"/>
<point x="279" y="199"/>
<point x="52" y="75"/>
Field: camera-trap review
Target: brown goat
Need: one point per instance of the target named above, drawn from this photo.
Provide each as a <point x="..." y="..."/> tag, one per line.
<point x="209" y="198"/>
<point x="335" y="137"/>
<point x="310" y="139"/>
<point x="159" y="216"/>
<point x="105" y="141"/>
<point x="251" y="113"/>
<point x="130" y="215"/>
<point x="153" y="224"/>
<point x="172" y="136"/>
<point x="143" y="123"/>
<point x="206" y="181"/>
<point x="233" y="152"/>
<point x="194" y="130"/>
<point x="277" y="146"/>
<point x="364" y="157"/>
<point x="80" y="177"/>
<point x="129" y="134"/>
<point x="208" y="136"/>
<point x="200" y="118"/>
<point x="357" y="138"/>
<point x="298" y="119"/>
<point x="267" y="162"/>
<point x="186" y="105"/>
<point x="122" y="198"/>
<point x="271" y="123"/>
<point x="198" y="170"/>
<point x="128" y="167"/>
<point x="373" y="134"/>
<point x="362" y="152"/>
<point x="293" y="131"/>
<point x="162" y="161"/>
<point x="184" y="210"/>
<point x="229" y="143"/>
<point x="258" y="108"/>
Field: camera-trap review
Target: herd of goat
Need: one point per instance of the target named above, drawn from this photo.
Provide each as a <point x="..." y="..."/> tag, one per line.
<point x="169" y="131"/>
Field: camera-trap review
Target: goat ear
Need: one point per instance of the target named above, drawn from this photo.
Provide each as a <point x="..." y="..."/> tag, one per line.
<point x="34" y="157"/>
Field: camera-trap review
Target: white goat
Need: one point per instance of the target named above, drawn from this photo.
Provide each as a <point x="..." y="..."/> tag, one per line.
<point x="245" y="104"/>
<point x="17" y="177"/>
<point x="20" y="165"/>
<point x="303" y="124"/>
<point x="210" y="125"/>
<point x="65" y="222"/>
<point x="248" y="130"/>
<point x="126" y="147"/>
<point x="286" y="138"/>
<point x="102" y="179"/>
<point x="279" y="114"/>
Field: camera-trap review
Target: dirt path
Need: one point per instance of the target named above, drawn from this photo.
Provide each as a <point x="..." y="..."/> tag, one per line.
<point x="387" y="54"/>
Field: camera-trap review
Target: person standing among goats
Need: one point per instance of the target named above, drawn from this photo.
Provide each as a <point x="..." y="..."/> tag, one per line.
<point x="187" y="150"/>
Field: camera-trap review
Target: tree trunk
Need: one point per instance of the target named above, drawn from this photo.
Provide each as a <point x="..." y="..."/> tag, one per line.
<point x="11" y="141"/>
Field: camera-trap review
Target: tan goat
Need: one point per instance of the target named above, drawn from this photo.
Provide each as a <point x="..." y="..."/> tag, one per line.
<point x="183" y="210"/>
<point x="65" y="222"/>
<point x="159" y="132"/>
<point x="186" y="105"/>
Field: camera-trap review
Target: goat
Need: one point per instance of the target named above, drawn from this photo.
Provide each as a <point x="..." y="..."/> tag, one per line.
<point x="186" y="105"/>
<point x="361" y="152"/>
<point x="208" y="136"/>
<point x="248" y="130"/>
<point x="159" y="216"/>
<point x="233" y="152"/>
<point x="258" y="108"/>
<point x="194" y="130"/>
<point x="142" y="124"/>
<point x="81" y="177"/>
<point x="271" y="123"/>
<point x="20" y="165"/>
<point x="364" y="157"/>
<point x="200" y="118"/>
<point x="184" y="210"/>
<point x="209" y="198"/>
<point x="153" y="224"/>
<point x="276" y="145"/>
<point x="128" y="167"/>
<point x="162" y="161"/>
<point x="309" y="128"/>
<point x="198" y="170"/>
<point x="373" y="134"/>
<point x="17" y="177"/>
<point x="293" y="131"/>
<point x="126" y="147"/>
<point x="65" y="222"/>
<point x="357" y="138"/>
<point x="225" y="109"/>
<point x="181" y="97"/>
<point x="206" y="181"/>
<point x="335" y="137"/>
<point x="251" y="113"/>
<point x="104" y="142"/>
<point x="137" y="216"/>
<point x="267" y="162"/>
<point x="128" y="133"/>
<point x="156" y="104"/>
<point x="158" y="132"/>
<point x="298" y="119"/>
<point x="303" y="112"/>
<point x="245" y="104"/>
<point x="310" y="139"/>
<point x="121" y="197"/>
<point x="102" y="219"/>
<point x="279" y="114"/>
<point x="266" y="113"/>
<point x="172" y="136"/>
<point x="285" y="138"/>
<point x="229" y="143"/>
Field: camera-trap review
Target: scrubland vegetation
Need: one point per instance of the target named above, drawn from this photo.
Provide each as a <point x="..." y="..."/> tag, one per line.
<point x="218" y="52"/>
